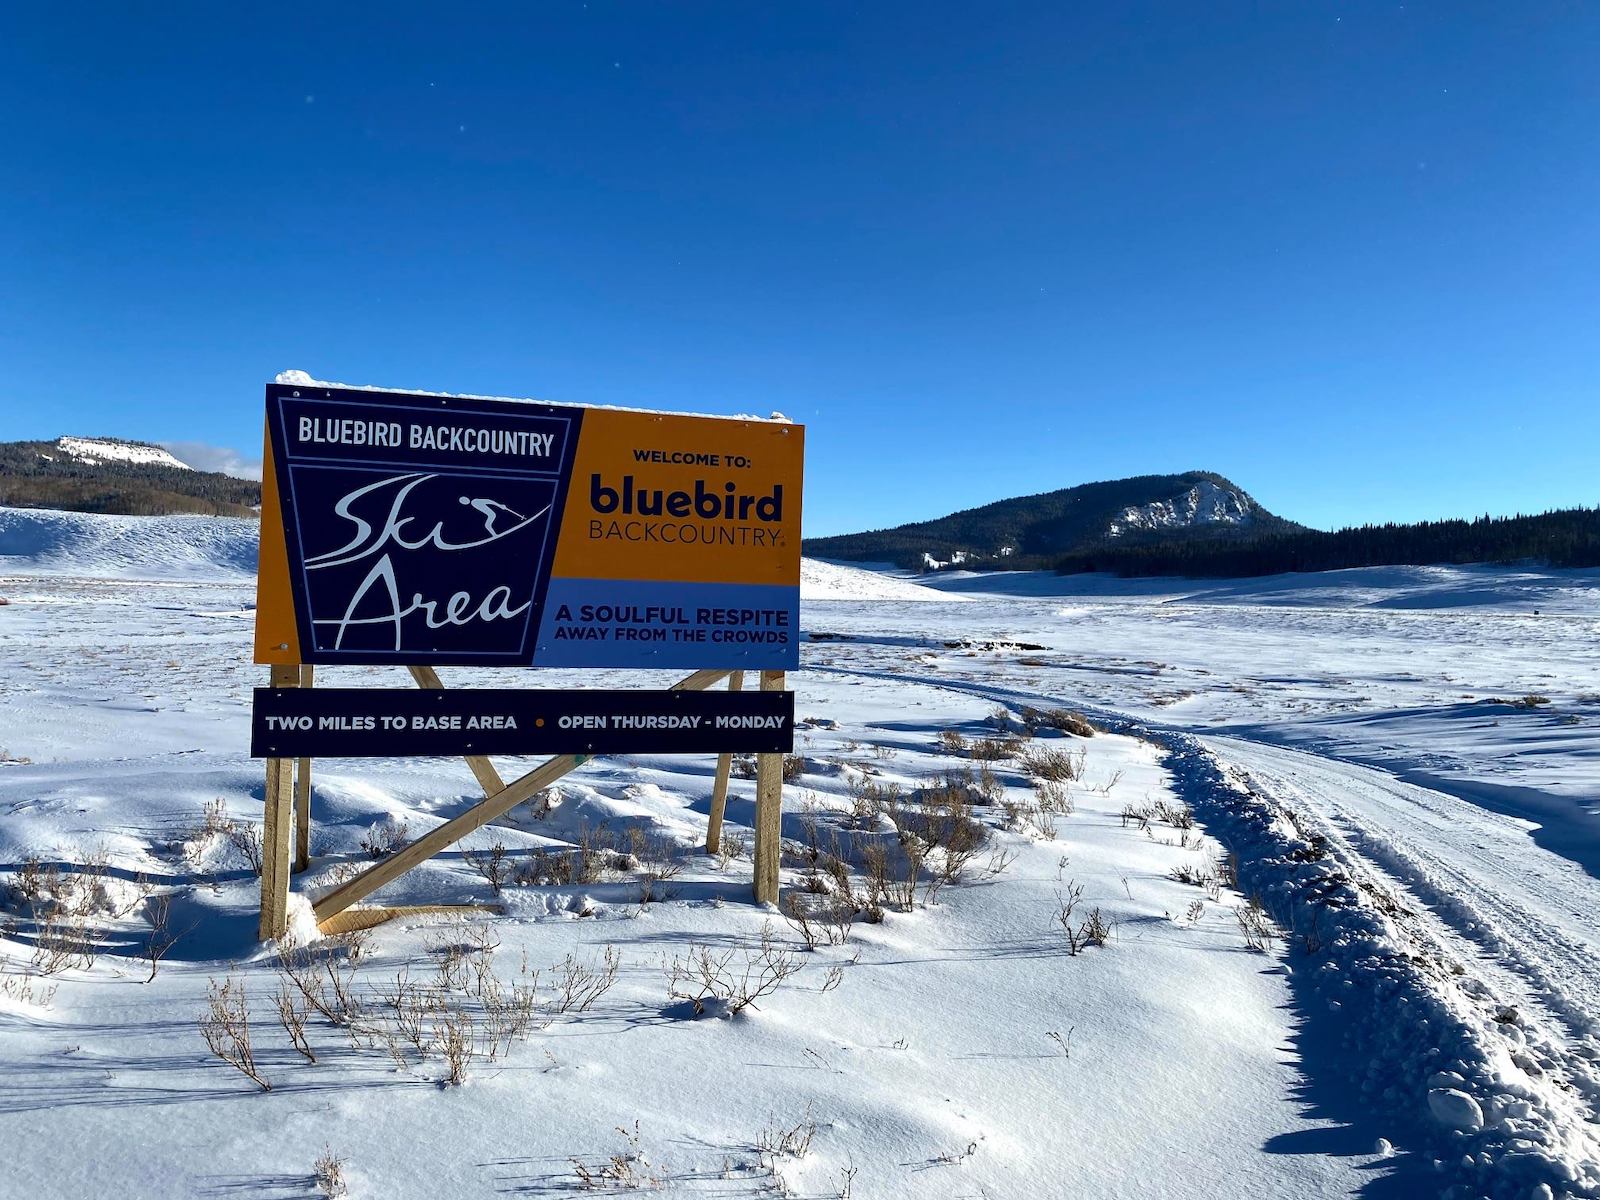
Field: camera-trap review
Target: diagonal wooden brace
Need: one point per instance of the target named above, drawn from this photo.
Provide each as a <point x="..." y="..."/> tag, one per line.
<point x="488" y="778"/>
<point x="453" y="830"/>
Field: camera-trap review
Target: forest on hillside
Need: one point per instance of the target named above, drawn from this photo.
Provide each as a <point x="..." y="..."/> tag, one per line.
<point x="29" y="479"/>
<point x="1564" y="538"/>
<point x="1029" y="532"/>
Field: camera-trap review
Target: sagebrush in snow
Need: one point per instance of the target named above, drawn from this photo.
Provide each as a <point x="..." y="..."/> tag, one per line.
<point x="225" y="1026"/>
<point x="733" y="980"/>
<point x="328" y="1173"/>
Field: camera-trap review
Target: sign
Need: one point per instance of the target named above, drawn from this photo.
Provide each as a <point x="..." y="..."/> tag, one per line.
<point x="373" y="723"/>
<point x="418" y="529"/>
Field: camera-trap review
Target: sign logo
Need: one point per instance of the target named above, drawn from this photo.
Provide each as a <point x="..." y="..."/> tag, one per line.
<point x="415" y="529"/>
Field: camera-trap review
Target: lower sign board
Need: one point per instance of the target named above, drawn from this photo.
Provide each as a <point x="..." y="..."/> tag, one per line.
<point x="377" y="723"/>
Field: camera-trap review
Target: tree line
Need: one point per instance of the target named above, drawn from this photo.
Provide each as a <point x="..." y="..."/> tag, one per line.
<point x="1559" y="538"/>
<point x="30" y="479"/>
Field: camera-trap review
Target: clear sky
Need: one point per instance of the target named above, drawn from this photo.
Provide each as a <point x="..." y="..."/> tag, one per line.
<point x="1345" y="253"/>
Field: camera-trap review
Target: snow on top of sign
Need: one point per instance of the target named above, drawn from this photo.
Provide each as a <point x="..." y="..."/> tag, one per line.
<point x="302" y="379"/>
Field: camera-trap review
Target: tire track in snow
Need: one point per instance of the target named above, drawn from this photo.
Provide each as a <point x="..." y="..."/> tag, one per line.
<point x="1507" y="902"/>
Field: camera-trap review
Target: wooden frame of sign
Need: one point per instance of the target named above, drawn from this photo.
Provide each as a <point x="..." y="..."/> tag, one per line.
<point x="290" y="778"/>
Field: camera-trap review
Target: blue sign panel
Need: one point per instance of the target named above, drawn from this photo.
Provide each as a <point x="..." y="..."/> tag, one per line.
<point x="418" y="529"/>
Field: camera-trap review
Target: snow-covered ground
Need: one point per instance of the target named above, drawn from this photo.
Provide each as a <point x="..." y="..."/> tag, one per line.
<point x="1422" y="1020"/>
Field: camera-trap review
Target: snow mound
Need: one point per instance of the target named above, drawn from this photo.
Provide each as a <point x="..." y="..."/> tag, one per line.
<point x="97" y="545"/>
<point x="820" y="580"/>
<point x="109" y="450"/>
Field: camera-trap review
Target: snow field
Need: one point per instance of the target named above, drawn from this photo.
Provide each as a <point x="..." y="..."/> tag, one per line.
<point x="1365" y="748"/>
<point x="920" y="1049"/>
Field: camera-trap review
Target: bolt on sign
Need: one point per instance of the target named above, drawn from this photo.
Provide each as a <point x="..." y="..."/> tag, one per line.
<point x="441" y="530"/>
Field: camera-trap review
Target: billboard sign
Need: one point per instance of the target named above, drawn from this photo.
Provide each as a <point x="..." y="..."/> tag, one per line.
<point x="417" y="529"/>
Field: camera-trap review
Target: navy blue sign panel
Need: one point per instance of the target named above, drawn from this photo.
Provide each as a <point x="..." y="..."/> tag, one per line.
<point x="418" y="528"/>
<point x="377" y="723"/>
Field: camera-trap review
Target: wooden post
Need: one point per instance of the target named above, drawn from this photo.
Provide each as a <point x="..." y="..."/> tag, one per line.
<point x="769" y="811"/>
<point x="719" y="789"/>
<point x="452" y="831"/>
<point x="276" y="827"/>
<point x="302" y="794"/>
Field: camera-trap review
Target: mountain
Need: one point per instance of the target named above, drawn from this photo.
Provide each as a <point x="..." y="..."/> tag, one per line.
<point x="1196" y="505"/>
<point x="109" y="475"/>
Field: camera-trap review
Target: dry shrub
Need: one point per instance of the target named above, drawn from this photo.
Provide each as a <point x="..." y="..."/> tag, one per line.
<point x="1179" y="816"/>
<point x="579" y="984"/>
<point x="226" y="1028"/>
<point x="162" y="937"/>
<point x="26" y="989"/>
<point x="1057" y="766"/>
<point x="626" y="1170"/>
<point x="952" y="741"/>
<point x="944" y="824"/>
<point x="873" y="802"/>
<point x="245" y="837"/>
<point x="328" y="1173"/>
<point x="384" y="838"/>
<point x="778" y="1142"/>
<point x="1092" y="930"/>
<point x="460" y="1013"/>
<point x="732" y="845"/>
<point x="1054" y="797"/>
<point x="657" y="862"/>
<point x="734" y="980"/>
<point x="822" y="917"/>
<point x="493" y="864"/>
<point x="62" y="940"/>
<point x="293" y="1013"/>
<point x="994" y="749"/>
<point x="1063" y="720"/>
<point x="1257" y="926"/>
<point x="1029" y="818"/>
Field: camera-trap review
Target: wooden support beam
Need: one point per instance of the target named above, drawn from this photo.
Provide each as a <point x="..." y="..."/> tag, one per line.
<point x="276" y="829"/>
<point x="453" y="830"/>
<point x="352" y="919"/>
<point x="719" y="789"/>
<point x="302" y="793"/>
<point x="482" y="769"/>
<point x="769" y="811"/>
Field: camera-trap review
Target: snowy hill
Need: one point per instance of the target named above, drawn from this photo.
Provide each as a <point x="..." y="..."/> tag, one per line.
<point x="109" y="475"/>
<point x="100" y="545"/>
<point x="821" y="580"/>
<point x="1038" y="529"/>
<point x="97" y="545"/>
<point x="114" y="450"/>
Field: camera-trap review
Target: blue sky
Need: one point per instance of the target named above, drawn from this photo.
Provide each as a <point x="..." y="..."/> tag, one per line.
<point x="1343" y="253"/>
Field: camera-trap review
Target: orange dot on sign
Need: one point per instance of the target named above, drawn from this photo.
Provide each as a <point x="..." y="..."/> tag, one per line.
<point x="539" y="722"/>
